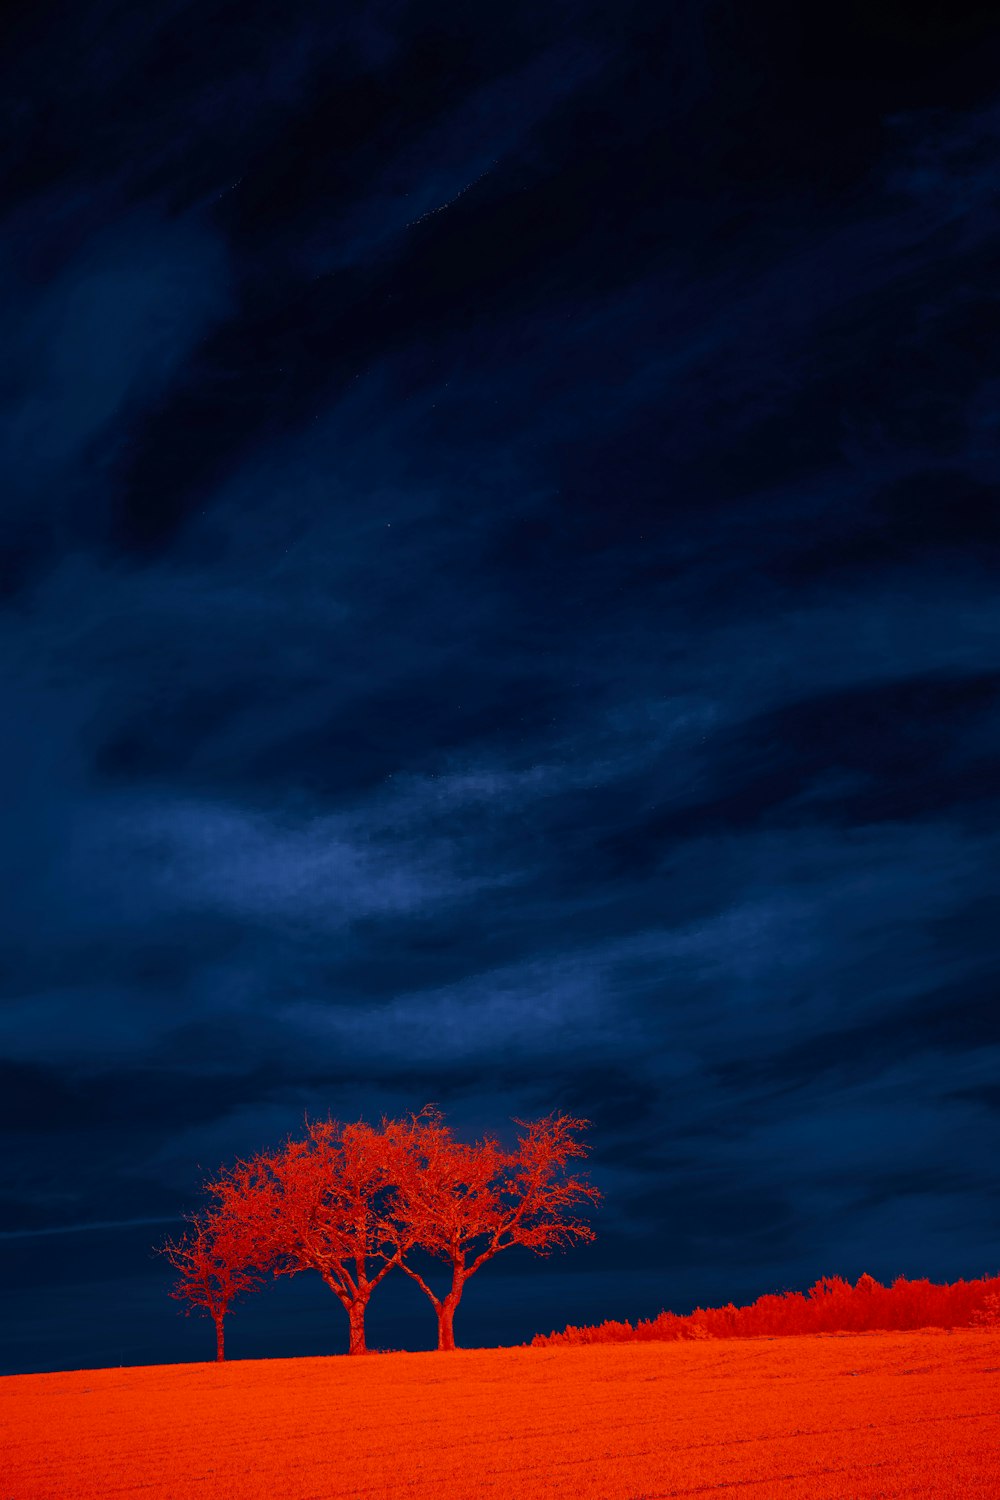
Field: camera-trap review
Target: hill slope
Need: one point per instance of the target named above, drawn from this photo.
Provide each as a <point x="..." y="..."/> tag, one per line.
<point x="825" y="1417"/>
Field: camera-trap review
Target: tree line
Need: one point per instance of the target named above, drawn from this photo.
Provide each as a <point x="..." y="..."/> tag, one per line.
<point x="354" y="1202"/>
<point x="831" y="1305"/>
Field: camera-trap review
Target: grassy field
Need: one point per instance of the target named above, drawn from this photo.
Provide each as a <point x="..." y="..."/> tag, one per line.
<point x="841" y="1417"/>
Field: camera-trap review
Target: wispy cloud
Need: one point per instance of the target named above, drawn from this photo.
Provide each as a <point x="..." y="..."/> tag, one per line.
<point x="73" y="1229"/>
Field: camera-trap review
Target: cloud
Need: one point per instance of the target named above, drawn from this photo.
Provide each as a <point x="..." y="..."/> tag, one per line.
<point x="535" y="653"/>
<point x="431" y="172"/>
<point x="96" y="346"/>
<point x="97" y="1226"/>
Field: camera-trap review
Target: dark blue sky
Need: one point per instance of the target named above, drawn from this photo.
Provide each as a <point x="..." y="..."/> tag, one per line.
<point x="499" y="589"/>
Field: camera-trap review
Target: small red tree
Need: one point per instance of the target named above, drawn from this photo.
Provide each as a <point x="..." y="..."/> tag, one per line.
<point x="465" y="1204"/>
<point x="322" y="1203"/>
<point x="214" y="1261"/>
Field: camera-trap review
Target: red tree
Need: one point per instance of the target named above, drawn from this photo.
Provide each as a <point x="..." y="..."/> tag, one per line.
<point x="465" y="1204"/>
<point x="215" y="1262"/>
<point x="322" y="1203"/>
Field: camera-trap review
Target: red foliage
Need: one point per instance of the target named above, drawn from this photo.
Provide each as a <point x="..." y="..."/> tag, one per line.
<point x="464" y="1204"/>
<point x="832" y="1305"/>
<point x="321" y="1203"/>
<point x="352" y="1202"/>
<point x="215" y="1261"/>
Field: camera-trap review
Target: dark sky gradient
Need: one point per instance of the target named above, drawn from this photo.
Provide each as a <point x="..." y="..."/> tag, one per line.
<point x="499" y="589"/>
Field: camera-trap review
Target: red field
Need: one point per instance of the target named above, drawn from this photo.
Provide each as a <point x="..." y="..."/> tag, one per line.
<point x="836" y="1417"/>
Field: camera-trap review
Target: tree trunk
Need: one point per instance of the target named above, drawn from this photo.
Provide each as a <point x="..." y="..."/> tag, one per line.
<point x="220" y="1338"/>
<point x="356" y="1313"/>
<point x="445" y="1306"/>
<point x="446" y="1321"/>
<point x="446" y="1326"/>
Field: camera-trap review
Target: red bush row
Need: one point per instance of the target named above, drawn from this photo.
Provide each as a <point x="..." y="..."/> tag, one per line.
<point x="832" y="1305"/>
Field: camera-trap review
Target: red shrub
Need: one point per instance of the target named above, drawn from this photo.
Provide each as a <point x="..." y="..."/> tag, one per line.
<point x="831" y="1305"/>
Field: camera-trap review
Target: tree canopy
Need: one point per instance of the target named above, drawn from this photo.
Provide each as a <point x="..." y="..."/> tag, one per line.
<point x="354" y="1202"/>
